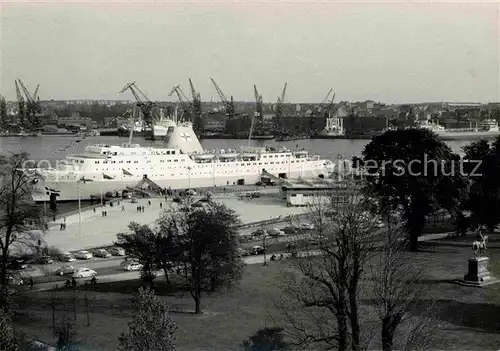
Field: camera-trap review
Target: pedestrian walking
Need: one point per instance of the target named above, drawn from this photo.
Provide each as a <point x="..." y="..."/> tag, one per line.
<point x="149" y="203"/>
<point x="61" y="226"/>
<point x="123" y="207"/>
<point x="161" y="205"/>
<point x="31" y="283"/>
<point x="143" y="208"/>
<point x="93" y="209"/>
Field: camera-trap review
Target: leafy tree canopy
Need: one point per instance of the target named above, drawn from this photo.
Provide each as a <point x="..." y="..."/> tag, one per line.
<point x="484" y="196"/>
<point x="414" y="172"/>
<point x="151" y="328"/>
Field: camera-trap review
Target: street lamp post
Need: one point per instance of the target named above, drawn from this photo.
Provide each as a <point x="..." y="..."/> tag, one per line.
<point x="264" y="245"/>
<point x="79" y="209"/>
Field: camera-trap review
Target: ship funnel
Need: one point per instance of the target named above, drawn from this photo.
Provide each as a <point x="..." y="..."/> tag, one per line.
<point x="182" y="137"/>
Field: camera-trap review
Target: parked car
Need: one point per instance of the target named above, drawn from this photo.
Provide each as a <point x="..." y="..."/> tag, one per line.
<point x="15" y="279"/>
<point x="291" y="230"/>
<point x="102" y="253"/>
<point x="259" y="183"/>
<point x="17" y="264"/>
<point x="275" y="232"/>
<point x="68" y="257"/>
<point x="84" y="273"/>
<point x="117" y="251"/>
<point x="197" y="204"/>
<point x="45" y="260"/>
<point x="133" y="266"/>
<point x="241" y="252"/>
<point x="65" y="269"/>
<point x="205" y="198"/>
<point x="258" y="232"/>
<point x="83" y="255"/>
<point x="257" y="250"/>
<point x="306" y="226"/>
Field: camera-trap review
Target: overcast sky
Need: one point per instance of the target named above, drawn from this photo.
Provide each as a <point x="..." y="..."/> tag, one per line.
<point x="387" y="51"/>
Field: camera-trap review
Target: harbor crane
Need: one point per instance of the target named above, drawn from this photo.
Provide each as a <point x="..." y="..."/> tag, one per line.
<point x="32" y="109"/>
<point x="196" y="99"/>
<point x="21" y="106"/>
<point x="228" y="104"/>
<point x="198" y="124"/>
<point x="323" y="103"/>
<point x="186" y="105"/>
<point x="142" y="100"/>
<point x="279" y="109"/>
<point x="281" y="101"/>
<point x="258" y="107"/>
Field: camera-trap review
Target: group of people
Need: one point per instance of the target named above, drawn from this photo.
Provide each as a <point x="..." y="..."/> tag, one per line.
<point x="72" y="283"/>
<point x="273" y="257"/>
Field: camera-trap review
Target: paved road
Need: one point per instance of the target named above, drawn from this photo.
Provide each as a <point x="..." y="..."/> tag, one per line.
<point x="112" y="274"/>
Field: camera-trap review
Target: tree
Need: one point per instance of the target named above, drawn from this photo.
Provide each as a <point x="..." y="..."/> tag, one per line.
<point x="8" y="340"/>
<point x="141" y="245"/>
<point x="415" y="173"/>
<point x="398" y="292"/>
<point x="320" y="294"/>
<point x="19" y="216"/>
<point x="3" y="112"/>
<point x="266" y="339"/>
<point x="207" y="242"/>
<point x="484" y="196"/>
<point x="151" y="328"/>
<point x="66" y="336"/>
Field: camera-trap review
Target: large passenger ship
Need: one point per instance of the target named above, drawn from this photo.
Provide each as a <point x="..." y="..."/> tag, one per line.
<point x="181" y="164"/>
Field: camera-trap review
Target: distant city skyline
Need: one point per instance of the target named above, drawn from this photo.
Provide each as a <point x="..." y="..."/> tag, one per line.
<point x="392" y="52"/>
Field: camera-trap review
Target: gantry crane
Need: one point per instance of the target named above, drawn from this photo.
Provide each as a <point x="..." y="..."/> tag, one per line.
<point x="280" y="102"/>
<point x="186" y="105"/>
<point x="258" y="107"/>
<point x="279" y="108"/>
<point x="21" y="107"/>
<point x="32" y="107"/>
<point x="196" y="99"/>
<point x="198" y="125"/>
<point x="228" y="104"/>
<point x="142" y="100"/>
<point x="323" y="103"/>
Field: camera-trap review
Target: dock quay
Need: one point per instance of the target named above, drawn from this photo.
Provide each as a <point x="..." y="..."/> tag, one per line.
<point x="95" y="230"/>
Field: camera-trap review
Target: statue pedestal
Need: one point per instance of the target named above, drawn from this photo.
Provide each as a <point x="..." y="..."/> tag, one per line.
<point x="478" y="274"/>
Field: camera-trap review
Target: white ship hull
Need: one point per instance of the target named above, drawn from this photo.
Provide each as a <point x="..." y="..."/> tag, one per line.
<point x="71" y="190"/>
<point x="446" y="135"/>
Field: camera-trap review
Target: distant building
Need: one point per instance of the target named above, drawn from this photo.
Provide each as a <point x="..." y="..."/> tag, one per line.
<point x="301" y="192"/>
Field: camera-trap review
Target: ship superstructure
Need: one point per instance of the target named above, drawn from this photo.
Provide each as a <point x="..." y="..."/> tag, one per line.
<point x="181" y="164"/>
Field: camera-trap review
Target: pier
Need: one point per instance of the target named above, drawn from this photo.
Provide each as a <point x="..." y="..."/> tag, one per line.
<point x="97" y="230"/>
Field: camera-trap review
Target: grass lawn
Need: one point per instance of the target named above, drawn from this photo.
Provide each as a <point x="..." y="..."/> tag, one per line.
<point x="469" y="317"/>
